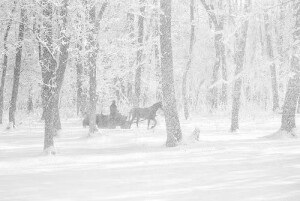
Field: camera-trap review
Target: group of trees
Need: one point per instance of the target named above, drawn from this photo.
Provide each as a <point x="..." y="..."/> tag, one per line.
<point x="137" y="51"/>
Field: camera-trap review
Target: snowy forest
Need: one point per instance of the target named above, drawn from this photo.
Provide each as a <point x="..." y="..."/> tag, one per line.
<point x="149" y="100"/>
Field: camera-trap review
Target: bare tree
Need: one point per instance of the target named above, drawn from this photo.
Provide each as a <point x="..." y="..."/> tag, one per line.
<point x="156" y="48"/>
<point x="81" y="101"/>
<point x="62" y="63"/>
<point x="48" y="65"/>
<point x="92" y="58"/>
<point x="293" y="88"/>
<point x="240" y="40"/>
<point x="79" y="71"/>
<point x="17" y="70"/>
<point x="5" y="59"/>
<point x="270" y="53"/>
<point x="30" y="101"/>
<point x="131" y="33"/>
<point x="171" y="115"/>
<point x="188" y="65"/>
<point x="138" y="72"/>
<point x="218" y="22"/>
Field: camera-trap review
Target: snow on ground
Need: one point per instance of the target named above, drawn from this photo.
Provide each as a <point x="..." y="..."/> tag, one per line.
<point x="135" y="165"/>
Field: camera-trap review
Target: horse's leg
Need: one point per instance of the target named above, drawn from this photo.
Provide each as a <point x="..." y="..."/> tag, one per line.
<point x="155" y="122"/>
<point x="137" y="121"/>
<point x="148" y="123"/>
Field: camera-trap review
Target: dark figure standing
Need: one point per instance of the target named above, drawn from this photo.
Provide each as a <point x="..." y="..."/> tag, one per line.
<point x="113" y="113"/>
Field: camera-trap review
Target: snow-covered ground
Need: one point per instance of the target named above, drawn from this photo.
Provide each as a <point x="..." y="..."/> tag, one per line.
<point x="135" y="165"/>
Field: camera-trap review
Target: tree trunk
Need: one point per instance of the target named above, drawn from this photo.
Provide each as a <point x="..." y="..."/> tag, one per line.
<point x="5" y="60"/>
<point x="261" y="37"/>
<point x="62" y="64"/>
<point x="92" y="93"/>
<point x="132" y="60"/>
<point x="37" y="31"/>
<point x="214" y="89"/>
<point x="17" y="71"/>
<point x="274" y="87"/>
<point x="218" y="64"/>
<point x="30" y="102"/>
<point x="291" y="99"/>
<point x="293" y="88"/>
<point x="188" y="66"/>
<point x="48" y="64"/>
<point x="79" y="69"/>
<point x="224" y="73"/>
<point x="298" y="107"/>
<point x="218" y="22"/>
<point x="92" y="58"/>
<point x="57" y="122"/>
<point x="272" y="66"/>
<point x="241" y="38"/>
<point x="138" y="72"/>
<point x="157" y="50"/>
<point x="171" y="115"/>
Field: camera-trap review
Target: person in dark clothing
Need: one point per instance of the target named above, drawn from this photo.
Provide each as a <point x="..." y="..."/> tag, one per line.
<point x="113" y="109"/>
<point x="113" y="112"/>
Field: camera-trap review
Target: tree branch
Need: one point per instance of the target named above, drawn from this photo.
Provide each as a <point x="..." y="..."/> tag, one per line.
<point x="210" y="13"/>
<point x="100" y="15"/>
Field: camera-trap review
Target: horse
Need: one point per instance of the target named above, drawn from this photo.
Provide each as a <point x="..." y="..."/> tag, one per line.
<point x="148" y="113"/>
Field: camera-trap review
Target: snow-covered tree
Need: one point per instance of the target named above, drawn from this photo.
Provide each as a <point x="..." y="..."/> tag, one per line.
<point x="17" y="69"/>
<point x="169" y="101"/>
<point x="240" y="46"/>
<point x="5" y="59"/>
<point x="48" y="64"/>
<point x="188" y="65"/>
<point x="293" y="88"/>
